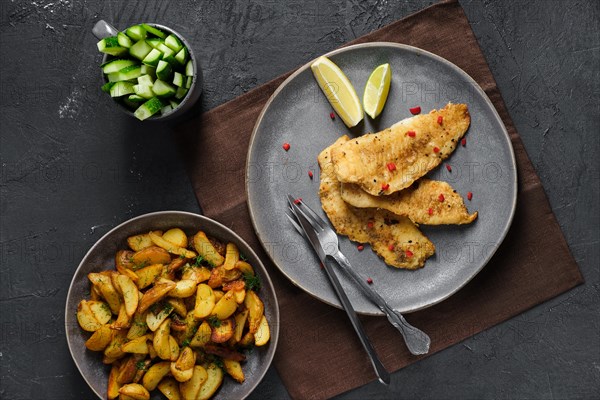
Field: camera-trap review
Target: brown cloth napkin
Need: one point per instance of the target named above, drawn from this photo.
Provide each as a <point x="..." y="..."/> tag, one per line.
<point x="319" y="354"/>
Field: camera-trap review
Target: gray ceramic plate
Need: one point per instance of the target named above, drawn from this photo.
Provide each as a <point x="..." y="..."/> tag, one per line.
<point x="298" y="113"/>
<point x="101" y="256"/>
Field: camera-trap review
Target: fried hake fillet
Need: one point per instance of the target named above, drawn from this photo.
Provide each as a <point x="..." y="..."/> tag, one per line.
<point x="420" y="202"/>
<point x="391" y="160"/>
<point x="396" y="239"/>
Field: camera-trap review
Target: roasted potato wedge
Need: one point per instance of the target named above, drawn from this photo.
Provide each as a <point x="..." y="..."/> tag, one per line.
<point x="108" y="291"/>
<point x="130" y="294"/>
<point x="124" y="264"/>
<point x="263" y="333"/>
<point x="189" y="390"/>
<point x="155" y="320"/>
<point x="170" y="388"/>
<point x="174" y="348"/>
<point x="155" y="374"/>
<point x="140" y="242"/>
<point x="138" y="325"/>
<point x="147" y="275"/>
<point x="170" y="247"/>
<point x="135" y="391"/>
<point x="176" y="237"/>
<point x="128" y="370"/>
<point x="137" y="346"/>
<point x="202" y="335"/>
<point x="183" y="368"/>
<point x="113" y="350"/>
<point x="255" y="308"/>
<point x="224" y="352"/>
<point x="86" y="318"/>
<point x="244" y="267"/>
<point x="100" y="338"/>
<point x="100" y="310"/>
<point x="161" y="340"/>
<point x="240" y="322"/>
<point x="155" y="294"/>
<point x="206" y="249"/>
<point x="150" y="255"/>
<point x="232" y="256"/>
<point x="178" y="306"/>
<point x="205" y="301"/>
<point x="183" y="288"/>
<point x="226" y="306"/>
<point x="123" y="320"/>
<point x="112" y="389"/>
<point x="213" y="382"/>
<point x="223" y="332"/>
<point x="234" y="369"/>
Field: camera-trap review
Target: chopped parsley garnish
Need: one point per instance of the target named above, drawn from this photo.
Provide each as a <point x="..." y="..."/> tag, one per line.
<point x="199" y="260"/>
<point x="252" y="282"/>
<point x="185" y="343"/>
<point x="243" y="257"/>
<point x="213" y="321"/>
<point x="141" y="365"/>
<point x="140" y="266"/>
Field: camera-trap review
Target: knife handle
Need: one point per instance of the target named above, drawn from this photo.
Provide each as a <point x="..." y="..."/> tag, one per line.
<point x="382" y="374"/>
<point x="416" y="340"/>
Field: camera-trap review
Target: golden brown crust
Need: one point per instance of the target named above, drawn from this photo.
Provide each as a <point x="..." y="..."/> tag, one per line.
<point x="363" y="161"/>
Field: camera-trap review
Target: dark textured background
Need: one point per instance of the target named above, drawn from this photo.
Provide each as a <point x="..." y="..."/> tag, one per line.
<point x="73" y="167"/>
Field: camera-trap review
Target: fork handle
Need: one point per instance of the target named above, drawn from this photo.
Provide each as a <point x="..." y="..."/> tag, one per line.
<point x="382" y="374"/>
<point x="416" y="340"/>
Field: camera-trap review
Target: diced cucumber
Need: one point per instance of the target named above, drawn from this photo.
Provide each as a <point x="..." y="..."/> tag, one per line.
<point x="144" y="91"/>
<point x="148" y="70"/>
<point x="130" y="104"/>
<point x="121" y="89"/>
<point x="163" y="70"/>
<point x="106" y="87"/>
<point x="163" y="89"/>
<point x="174" y="43"/>
<point x="136" y="32"/>
<point x="173" y="103"/>
<point x="125" y="74"/>
<point x="178" y="79"/>
<point x="140" y="49"/>
<point x="188" y="82"/>
<point x="166" y="50"/>
<point x="189" y="69"/>
<point x="148" y="109"/>
<point x="116" y="65"/>
<point x="124" y="40"/>
<point x="145" y="80"/>
<point x="165" y="110"/>
<point x="154" y="31"/>
<point x="180" y="93"/>
<point x="153" y="58"/>
<point x="110" y="45"/>
<point x="154" y="42"/>
<point x="182" y="56"/>
<point x="136" y="98"/>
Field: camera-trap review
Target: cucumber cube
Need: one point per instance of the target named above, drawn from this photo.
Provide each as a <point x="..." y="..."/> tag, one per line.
<point x="110" y="45"/>
<point x="165" y="110"/>
<point x="178" y="79"/>
<point x="148" y="70"/>
<point x="163" y="89"/>
<point x="173" y="103"/>
<point x="144" y="91"/>
<point x="182" y="56"/>
<point x="189" y="69"/>
<point x="152" y="58"/>
<point x="180" y="93"/>
<point x="154" y="42"/>
<point x="140" y="49"/>
<point x="164" y="70"/>
<point x="148" y="109"/>
<point x="174" y="43"/>
<point x="106" y="87"/>
<point x="125" y="74"/>
<point x="145" y="80"/>
<point x="116" y="65"/>
<point x="136" y="99"/>
<point x="154" y="31"/>
<point x="136" y="32"/>
<point x="124" y="40"/>
<point x="188" y="82"/>
<point x="121" y="89"/>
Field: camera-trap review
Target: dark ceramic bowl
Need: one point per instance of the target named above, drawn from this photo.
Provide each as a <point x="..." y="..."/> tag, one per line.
<point x="103" y="29"/>
<point x="101" y="257"/>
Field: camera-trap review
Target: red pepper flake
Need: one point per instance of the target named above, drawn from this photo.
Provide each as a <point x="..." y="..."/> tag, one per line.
<point x="436" y="149"/>
<point x="430" y="211"/>
<point x="415" y="110"/>
<point x="391" y="247"/>
<point x="448" y="167"/>
<point x="391" y="166"/>
<point x="286" y="146"/>
<point x="310" y="174"/>
<point x="360" y="247"/>
<point x="463" y="142"/>
<point x="411" y="133"/>
<point x="385" y="186"/>
<point x="370" y="224"/>
<point x="440" y="120"/>
<point x="332" y="115"/>
<point x="469" y="196"/>
<point x="408" y="253"/>
<point x="369" y="281"/>
<point x="441" y="198"/>
<point x="298" y="200"/>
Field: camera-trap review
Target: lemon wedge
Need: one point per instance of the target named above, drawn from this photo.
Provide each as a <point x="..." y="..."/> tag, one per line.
<point x="377" y="89"/>
<point x="338" y="90"/>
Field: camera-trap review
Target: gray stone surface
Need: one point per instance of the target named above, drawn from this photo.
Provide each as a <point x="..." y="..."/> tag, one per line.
<point x="72" y="168"/>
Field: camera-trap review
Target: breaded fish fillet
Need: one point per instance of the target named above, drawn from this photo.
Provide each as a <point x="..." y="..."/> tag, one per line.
<point x="391" y="160"/>
<point x="420" y="202"/>
<point x="396" y="239"/>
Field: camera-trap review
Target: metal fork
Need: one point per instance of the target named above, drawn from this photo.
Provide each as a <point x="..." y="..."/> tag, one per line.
<point x="417" y="341"/>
